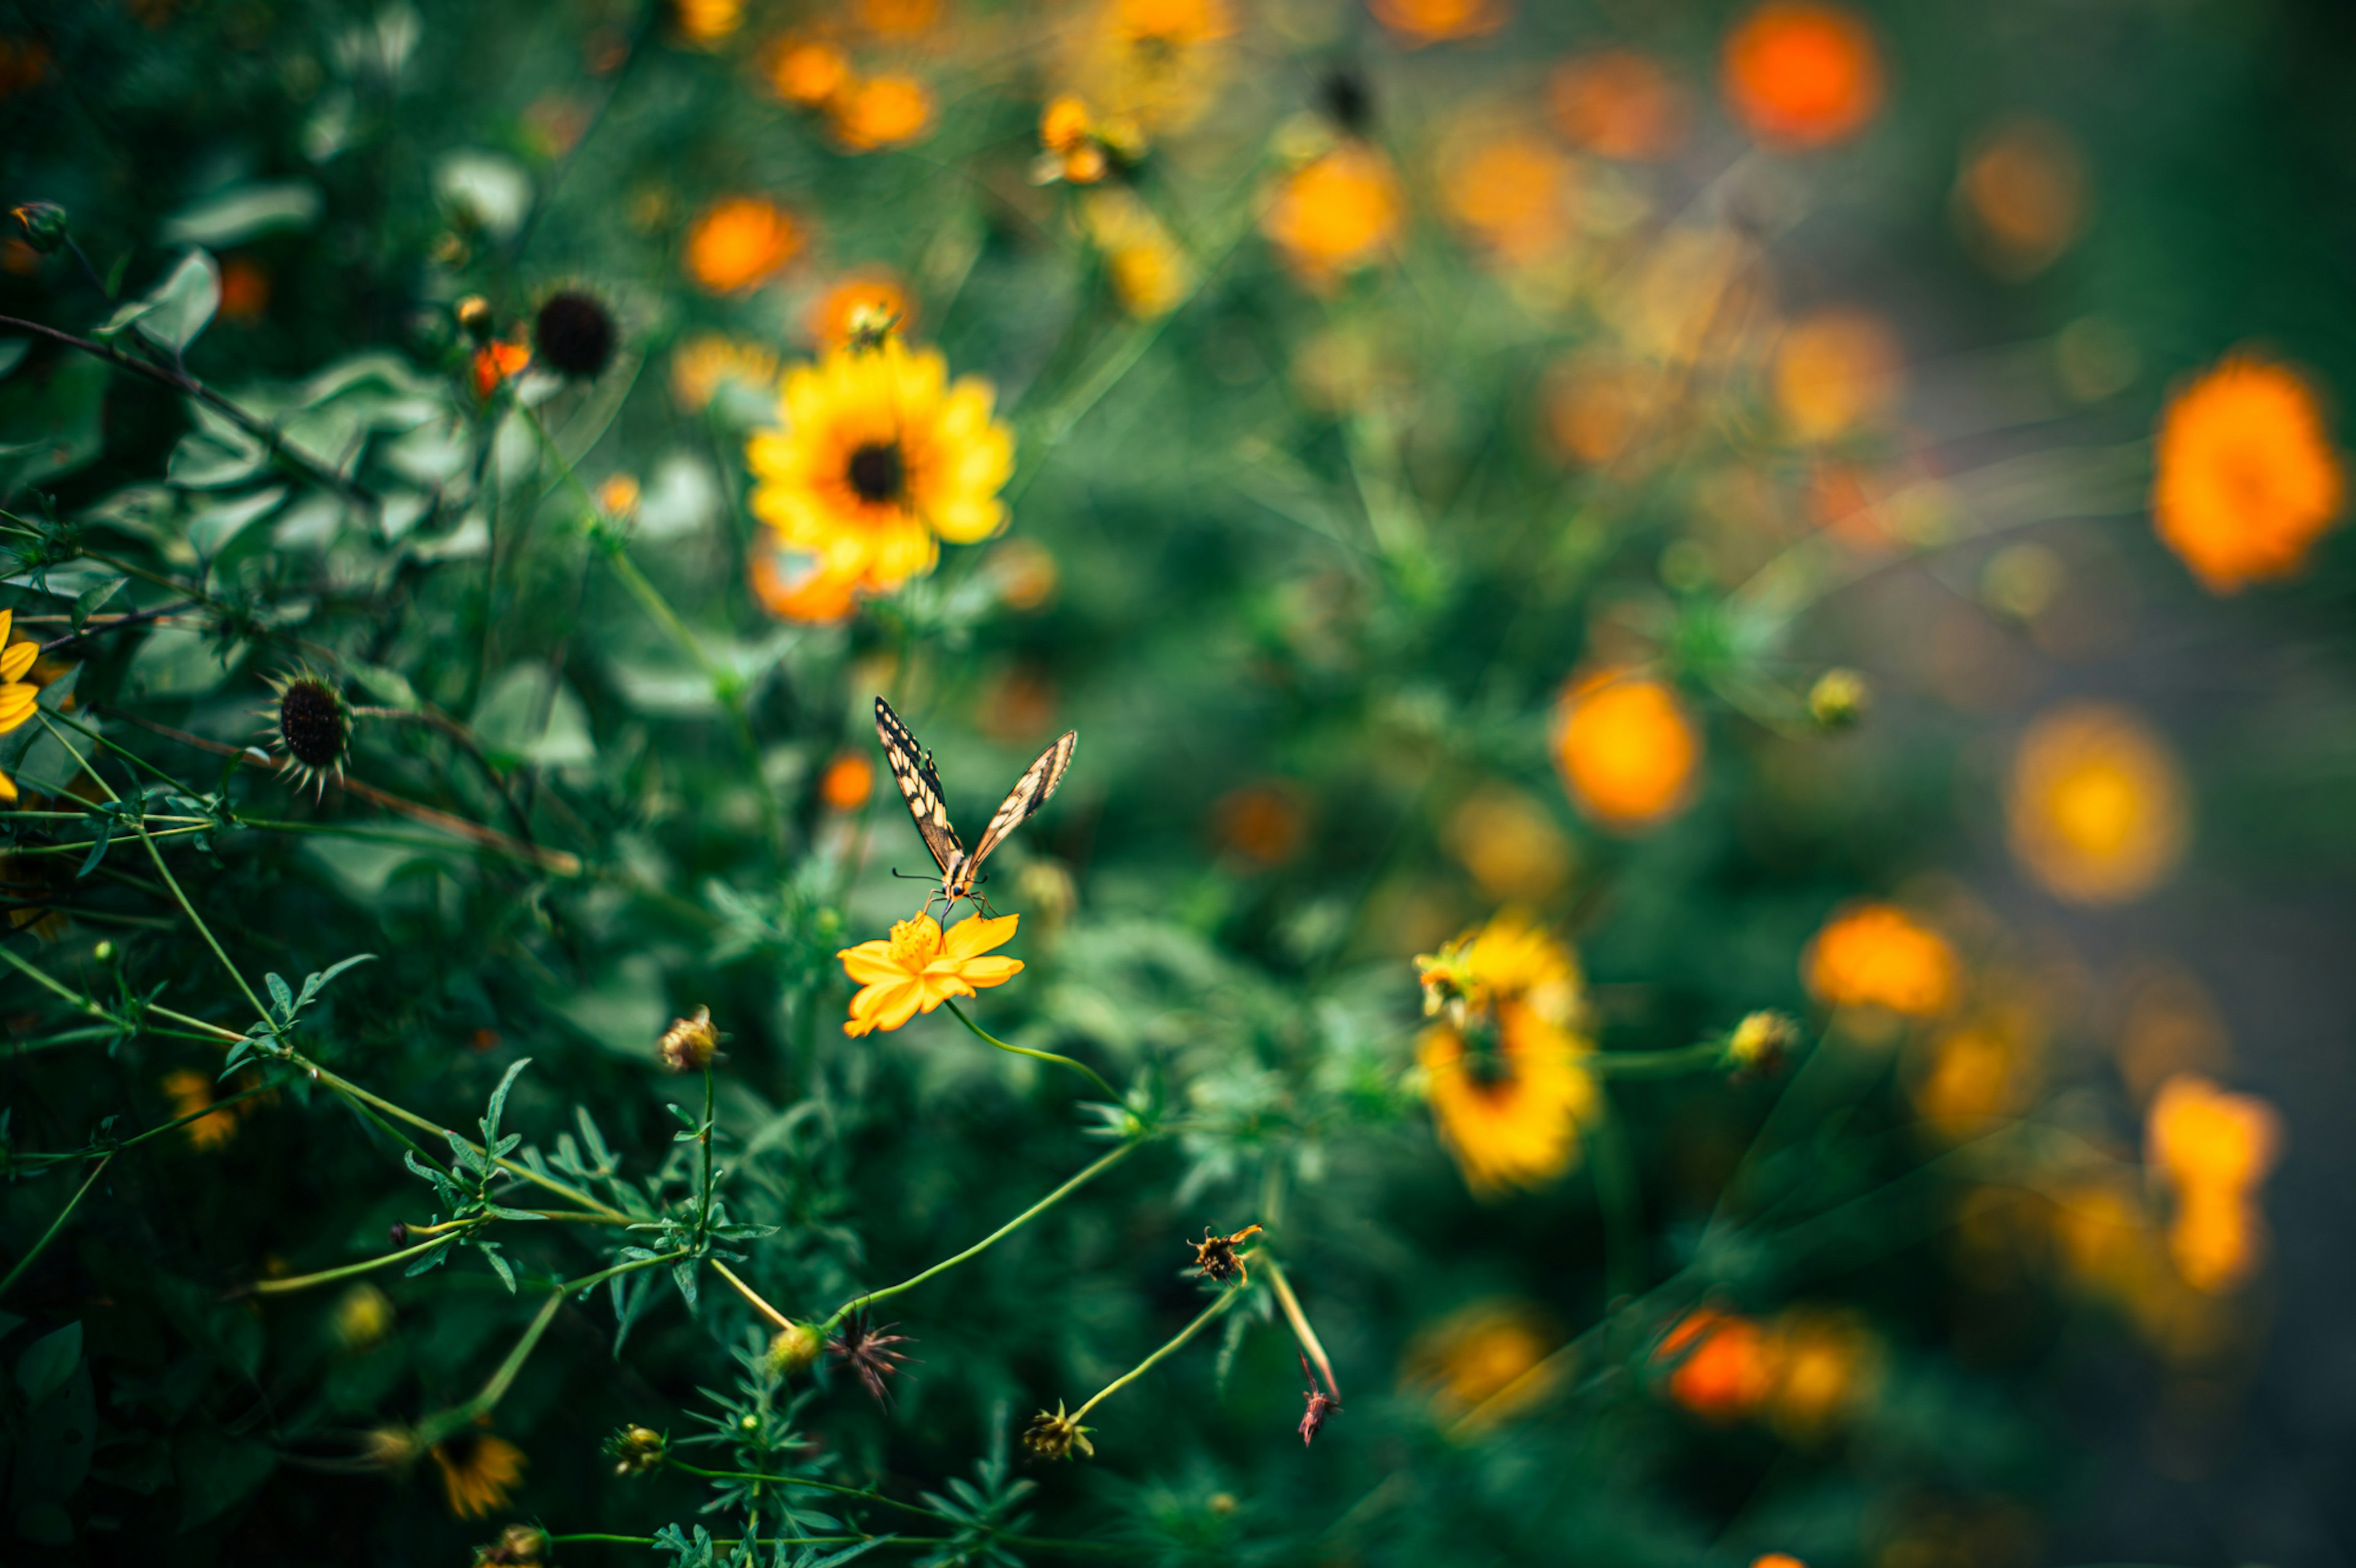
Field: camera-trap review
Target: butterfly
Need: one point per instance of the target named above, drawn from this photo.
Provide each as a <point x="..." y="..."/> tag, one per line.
<point x="920" y="786"/>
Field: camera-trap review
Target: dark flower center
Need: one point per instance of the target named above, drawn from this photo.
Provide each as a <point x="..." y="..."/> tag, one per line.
<point x="1484" y="1057"/>
<point x="311" y="723"/>
<point x="575" y="334"/>
<point x="877" y="472"/>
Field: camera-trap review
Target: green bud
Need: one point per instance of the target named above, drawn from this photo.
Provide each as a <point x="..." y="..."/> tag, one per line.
<point x="794" y="1350"/>
<point x="44" y="223"/>
<point x="1839" y="699"/>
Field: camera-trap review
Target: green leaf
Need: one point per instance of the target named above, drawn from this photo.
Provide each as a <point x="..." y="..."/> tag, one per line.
<point x="500" y="1101"/>
<point x="490" y="1250"/>
<point x="47" y="1363"/>
<point x="243" y="212"/>
<point x="103" y="834"/>
<point x="177" y="309"/>
<point x="281" y="994"/>
<point x="52" y="424"/>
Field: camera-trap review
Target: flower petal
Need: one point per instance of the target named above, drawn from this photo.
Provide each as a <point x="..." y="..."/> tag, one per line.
<point x="975" y="935"/>
<point x="870" y="963"/>
<point x="978" y="972"/>
<point x="18" y="659"/>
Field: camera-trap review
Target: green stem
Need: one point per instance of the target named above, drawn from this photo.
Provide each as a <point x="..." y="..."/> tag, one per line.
<point x="134" y="1141"/>
<point x="62" y="989"/>
<point x="873" y="1497"/>
<point x="55" y="1226"/>
<point x="1299" y="1320"/>
<point x="703" y="1137"/>
<point x="328" y="1277"/>
<point x="749" y="1294"/>
<point x="1201" y="1320"/>
<point x="1655" y="1064"/>
<point x="989" y="1038"/>
<point x="1008" y="1229"/>
<point x="1616" y="1194"/>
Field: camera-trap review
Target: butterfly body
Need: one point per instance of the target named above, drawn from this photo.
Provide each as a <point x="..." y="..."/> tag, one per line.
<point x="920" y="786"/>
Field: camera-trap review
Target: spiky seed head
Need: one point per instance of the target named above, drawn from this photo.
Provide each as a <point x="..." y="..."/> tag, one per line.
<point x="311" y="725"/>
<point x="637" y="1450"/>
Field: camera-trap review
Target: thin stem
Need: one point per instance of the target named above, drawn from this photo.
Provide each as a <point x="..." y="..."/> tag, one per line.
<point x="989" y="1038"/>
<point x="1201" y="1319"/>
<point x="1674" y="1063"/>
<point x="703" y="1138"/>
<point x="1616" y="1193"/>
<point x="749" y="1294"/>
<point x="1299" y="1320"/>
<point x="1008" y="1229"/>
<point x="871" y="1496"/>
<point x="55" y="1225"/>
<point x="68" y="992"/>
<point x="328" y="1277"/>
<point x="223" y="1104"/>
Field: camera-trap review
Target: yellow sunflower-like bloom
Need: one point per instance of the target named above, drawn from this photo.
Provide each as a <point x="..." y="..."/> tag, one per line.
<point x="881" y="458"/>
<point x="1508" y="1109"/>
<point x="478" y="1471"/>
<point x="917" y="968"/>
<point x="17" y="695"/>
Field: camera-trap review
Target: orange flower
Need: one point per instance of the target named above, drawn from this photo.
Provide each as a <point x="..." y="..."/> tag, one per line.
<point x="917" y="968"/>
<point x="1725" y="1370"/>
<point x="2022" y="193"/>
<point x="1801" y="75"/>
<point x="1619" y="104"/>
<point x="740" y="240"/>
<point x="1510" y="844"/>
<point x="882" y="111"/>
<point x="2097" y="805"/>
<point x="808" y="71"/>
<point x="1487" y="1360"/>
<point x="495" y="363"/>
<point x="1335" y="214"/>
<point x="707" y="22"/>
<point x="2215" y="1150"/>
<point x="1511" y="195"/>
<point x="898" y="19"/>
<point x="856" y="307"/>
<point x="798" y="585"/>
<point x="2246" y="476"/>
<point x="1421" y="21"/>
<point x="1823" y="1363"/>
<point x="1834" y="371"/>
<point x="1627" y="749"/>
<point x="708" y="364"/>
<point x="847" y="781"/>
<point x="1599" y="405"/>
<point x="1875" y="954"/>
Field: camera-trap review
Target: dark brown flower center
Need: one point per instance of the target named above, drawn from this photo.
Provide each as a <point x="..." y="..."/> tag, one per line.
<point x="1484" y="1056"/>
<point x="878" y="473"/>
<point x="311" y="723"/>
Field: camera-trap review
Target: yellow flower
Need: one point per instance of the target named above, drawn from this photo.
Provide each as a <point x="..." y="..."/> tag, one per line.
<point x="17" y="695"/>
<point x="2215" y="1149"/>
<point x="1335" y="214"/>
<point x="1153" y="64"/>
<point x="2244" y="474"/>
<point x="707" y="22"/>
<point x="739" y="241"/>
<point x="1834" y="371"/>
<point x="478" y="1470"/>
<point x="808" y="71"/>
<point x="1511" y="193"/>
<point x="363" y="1316"/>
<point x="1875" y="954"/>
<point x="861" y="308"/>
<point x="917" y="968"/>
<point x="1507" y="1093"/>
<point x="1826" y="1364"/>
<point x="1150" y="274"/>
<point x="1627" y="750"/>
<point x="1511" y="959"/>
<point x="880" y="459"/>
<point x="708" y="364"/>
<point x="190" y="1091"/>
<point x="1479" y="1359"/>
<point x="2097" y="805"/>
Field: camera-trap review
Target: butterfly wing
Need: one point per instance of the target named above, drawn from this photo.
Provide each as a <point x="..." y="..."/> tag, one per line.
<point x="911" y="770"/>
<point x="1029" y="794"/>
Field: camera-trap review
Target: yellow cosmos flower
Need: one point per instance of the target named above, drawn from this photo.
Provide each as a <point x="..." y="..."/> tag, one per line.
<point x="880" y="459"/>
<point x="1501" y="1066"/>
<point x="2097" y="808"/>
<point x="1479" y="1362"/>
<point x="478" y="1471"/>
<point x="17" y="695"/>
<point x="918" y="968"/>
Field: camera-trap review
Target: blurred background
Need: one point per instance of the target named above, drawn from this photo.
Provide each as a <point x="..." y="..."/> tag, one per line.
<point x="1827" y="510"/>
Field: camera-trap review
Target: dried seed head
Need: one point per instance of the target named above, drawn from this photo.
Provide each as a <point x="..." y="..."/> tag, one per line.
<point x="1214" y="1256"/>
<point x="575" y="334"/>
<point x="1055" y="1436"/>
<point x="310" y="726"/>
<point x="1323" y="1407"/>
<point x="689" y="1044"/>
<point x="637" y="1450"/>
<point x="795" y="1350"/>
<point x="865" y="1348"/>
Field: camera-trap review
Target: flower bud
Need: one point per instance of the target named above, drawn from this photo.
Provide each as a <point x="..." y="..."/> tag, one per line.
<point x="1839" y="699"/>
<point x="1055" y="1436"/>
<point x="688" y="1045"/>
<point x="1759" y="1043"/>
<point x="518" y="1546"/>
<point x="44" y="223"/>
<point x="473" y="314"/>
<point x="399" y="1234"/>
<point x="637" y="1450"/>
<point x="795" y="1350"/>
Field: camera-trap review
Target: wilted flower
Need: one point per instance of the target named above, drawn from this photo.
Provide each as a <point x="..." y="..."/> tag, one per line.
<point x="1323" y="1406"/>
<point x="478" y="1471"/>
<point x="1214" y="1256"/>
<point x="865" y="1346"/>
<point x="918" y="968"/>
<point x="689" y="1044"/>
<point x="2244" y="475"/>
